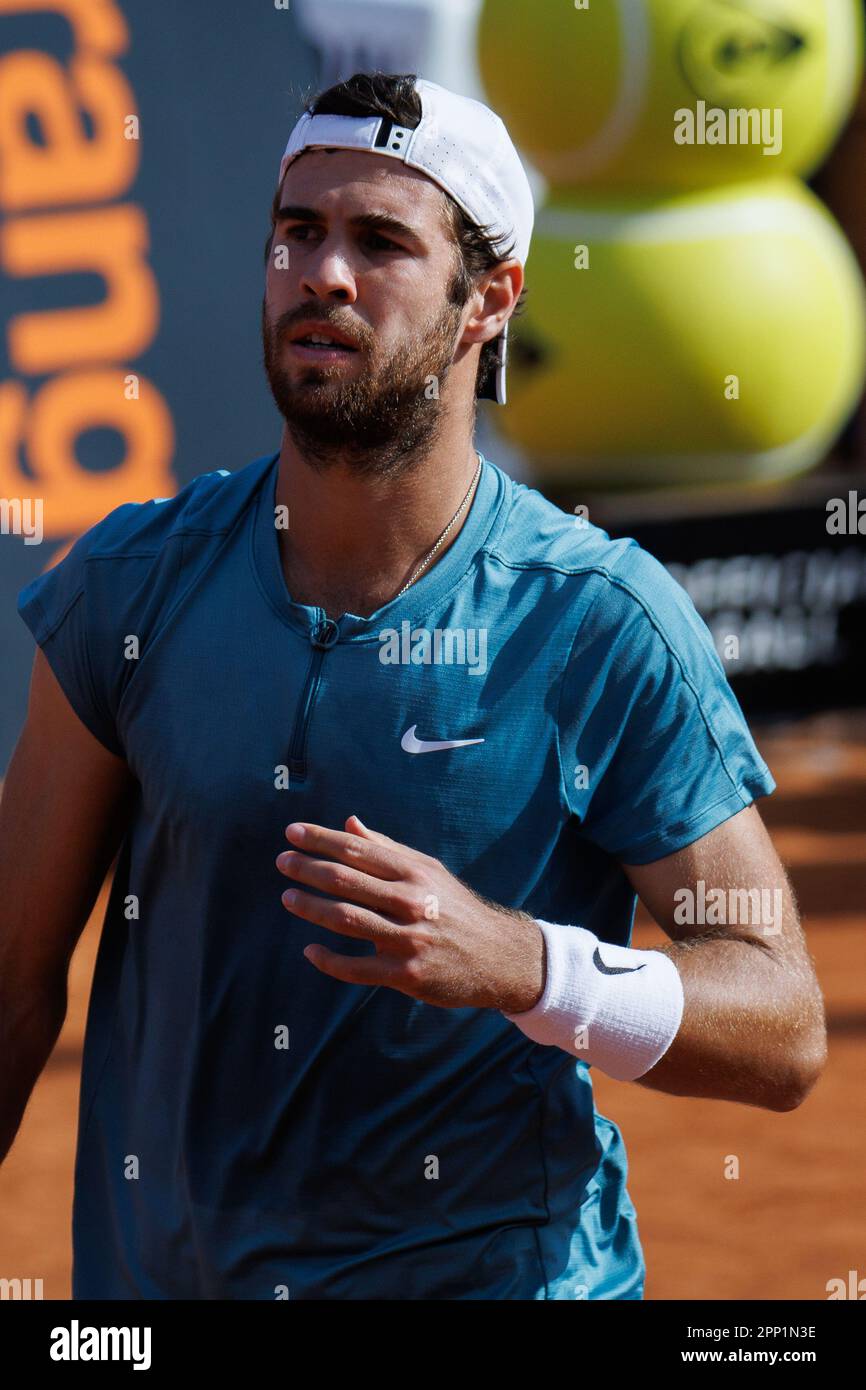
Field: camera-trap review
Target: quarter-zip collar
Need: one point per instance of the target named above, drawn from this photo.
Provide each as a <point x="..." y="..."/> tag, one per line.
<point x="486" y="515"/>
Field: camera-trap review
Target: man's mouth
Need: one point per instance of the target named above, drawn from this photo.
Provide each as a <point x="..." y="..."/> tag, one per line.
<point x="320" y="347"/>
<point x="310" y="341"/>
<point x="321" y="342"/>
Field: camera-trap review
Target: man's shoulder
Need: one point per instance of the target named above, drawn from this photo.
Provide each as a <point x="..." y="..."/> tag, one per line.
<point x="608" y="588"/>
<point x="128" y="566"/>
<point x="538" y="534"/>
<point x="209" y="504"/>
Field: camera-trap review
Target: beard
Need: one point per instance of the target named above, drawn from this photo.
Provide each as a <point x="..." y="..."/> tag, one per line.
<point x="381" y="422"/>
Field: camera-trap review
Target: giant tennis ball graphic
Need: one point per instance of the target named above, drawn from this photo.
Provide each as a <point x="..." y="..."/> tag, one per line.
<point x="715" y="336"/>
<point x="591" y="95"/>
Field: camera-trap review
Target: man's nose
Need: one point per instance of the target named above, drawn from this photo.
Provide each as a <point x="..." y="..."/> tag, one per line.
<point x="328" y="273"/>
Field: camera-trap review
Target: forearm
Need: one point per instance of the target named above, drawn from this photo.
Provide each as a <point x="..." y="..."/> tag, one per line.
<point x="30" y="1022"/>
<point x="752" y="1028"/>
<point x="714" y="1015"/>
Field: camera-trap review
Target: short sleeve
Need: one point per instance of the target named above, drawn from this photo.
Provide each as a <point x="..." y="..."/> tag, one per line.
<point x="56" y="607"/>
<point x="655" y="749"/>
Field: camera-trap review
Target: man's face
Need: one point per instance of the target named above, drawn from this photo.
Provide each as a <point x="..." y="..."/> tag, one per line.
<point x="384" y="286"/>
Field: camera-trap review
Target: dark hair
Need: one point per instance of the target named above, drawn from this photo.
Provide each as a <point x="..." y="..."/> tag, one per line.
<point x="394" y="95"/>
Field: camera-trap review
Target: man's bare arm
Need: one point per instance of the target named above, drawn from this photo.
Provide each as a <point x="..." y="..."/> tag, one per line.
<point x="63" y="812"/>
<point x="753" y="1027"/>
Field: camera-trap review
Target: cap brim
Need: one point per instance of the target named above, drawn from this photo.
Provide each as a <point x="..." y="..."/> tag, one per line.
<point x="494" y="389"/>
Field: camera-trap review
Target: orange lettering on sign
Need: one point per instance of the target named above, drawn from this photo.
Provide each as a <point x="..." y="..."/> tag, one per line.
<point x="97" y="24"/>
<point x="13" y="412"/>
<point x="64" y="408"/>
<point x="111" y="241"/>
<point x="69" y="167"/>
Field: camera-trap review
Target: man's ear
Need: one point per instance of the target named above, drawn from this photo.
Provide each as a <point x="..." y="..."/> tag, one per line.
<point x="498" y="291"/>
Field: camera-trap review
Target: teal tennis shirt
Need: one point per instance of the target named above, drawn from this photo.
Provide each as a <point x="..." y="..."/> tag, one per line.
<point x="250" y="1128"/>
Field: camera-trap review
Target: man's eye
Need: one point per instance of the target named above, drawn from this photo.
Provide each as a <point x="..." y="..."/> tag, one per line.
<point x="384" y="242"/>
<point x="378" y="242"/>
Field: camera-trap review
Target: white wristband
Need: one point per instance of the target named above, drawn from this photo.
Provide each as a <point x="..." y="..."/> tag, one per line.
<point x="610" y="1006"/>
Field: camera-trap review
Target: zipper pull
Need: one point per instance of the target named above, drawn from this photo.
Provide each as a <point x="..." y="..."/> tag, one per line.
<point x="325" y="633"/>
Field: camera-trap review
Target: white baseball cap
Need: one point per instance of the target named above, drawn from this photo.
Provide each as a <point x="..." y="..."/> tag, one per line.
<point x="461" y="145"/>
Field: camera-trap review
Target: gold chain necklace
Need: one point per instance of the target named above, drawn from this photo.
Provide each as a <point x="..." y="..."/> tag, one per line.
<point x="431" y="553"/>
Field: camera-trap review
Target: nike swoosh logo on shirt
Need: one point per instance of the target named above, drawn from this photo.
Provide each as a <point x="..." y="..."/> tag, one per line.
<point x="613" y="969"/>
<point x="410" y="744"/>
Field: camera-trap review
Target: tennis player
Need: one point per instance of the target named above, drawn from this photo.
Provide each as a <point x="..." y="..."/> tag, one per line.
<point x="386" y="746"/>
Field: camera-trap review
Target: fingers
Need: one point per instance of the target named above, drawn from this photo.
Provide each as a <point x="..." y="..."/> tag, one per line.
<point x="375" y="854"/>
<point x="345" y="918"/>
<point x="415" y="855"/>
<point x="352" y="970"/>
<point x="340" y="880"/>
<point x="359" y="828"/>
<point x="376" y="884"/>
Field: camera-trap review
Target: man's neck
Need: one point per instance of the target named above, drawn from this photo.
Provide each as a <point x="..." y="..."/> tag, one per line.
<point x="353" y="541"/>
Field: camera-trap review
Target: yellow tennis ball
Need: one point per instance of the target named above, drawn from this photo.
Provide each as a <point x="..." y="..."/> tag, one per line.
<point x="705" y="337"/>
<point x="593" y="94"/>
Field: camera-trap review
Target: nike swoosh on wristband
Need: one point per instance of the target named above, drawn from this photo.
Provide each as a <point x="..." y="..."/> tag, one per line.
<point x="614" y="969"/>
<point x="410" y="744"/>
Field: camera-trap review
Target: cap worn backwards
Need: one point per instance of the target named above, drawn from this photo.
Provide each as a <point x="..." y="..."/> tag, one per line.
<point x="462" y="146"/>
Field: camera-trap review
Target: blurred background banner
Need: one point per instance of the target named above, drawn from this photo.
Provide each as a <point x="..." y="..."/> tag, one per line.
<point x="139" y="151"/>
<point x="693" y="346"/>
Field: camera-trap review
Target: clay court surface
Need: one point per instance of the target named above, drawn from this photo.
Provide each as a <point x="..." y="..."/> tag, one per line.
<point x="795" y="1217"/>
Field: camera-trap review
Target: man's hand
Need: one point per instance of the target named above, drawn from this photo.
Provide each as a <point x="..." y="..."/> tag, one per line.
<point x="435" y="938"/>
